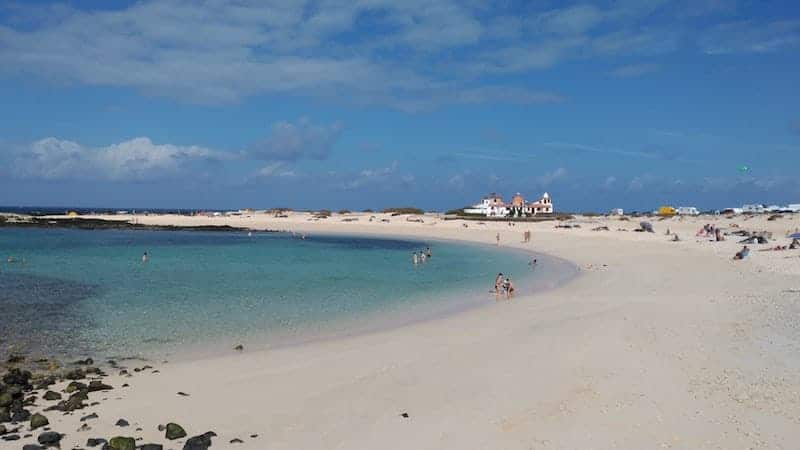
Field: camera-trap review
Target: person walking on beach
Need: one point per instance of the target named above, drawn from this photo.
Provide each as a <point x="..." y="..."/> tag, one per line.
<point x="498" y="238"/>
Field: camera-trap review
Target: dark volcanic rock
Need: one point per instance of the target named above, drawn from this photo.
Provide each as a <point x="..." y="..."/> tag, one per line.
<point x="98" y="385"/>
<point x="239" y="348"/>
<point x="43" y="382"/>
<point x="21" y="416"/>
<point x="122" y="443"/>
<point x="5" y="415"/>
<point x="174" y="431"/>
<point x="75" y="386"/>
<point x="90" y="416"/>
<point x="122" y="423"/>
<point x="32" y="447"/>
<point x="51" y="395"/>
<point x="84" y="362"/>
<point x="94" y="442"/>
<point x="236" y="441"/>
<point x="152" y="447"/>
<point x="15" y="359"/>
<point x="10" y="437"/>
<point x="5" y="399"/>
<point x="38" y="421"/>
<point x="49" y="438"/>
<point x="201" y="442"/>
<point x="75" y="374"/>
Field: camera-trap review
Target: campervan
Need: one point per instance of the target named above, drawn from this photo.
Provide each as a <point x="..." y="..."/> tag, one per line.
<point x="752" y="209"/>
<point x="666" y="211"/>
<point x="687" y="211"/>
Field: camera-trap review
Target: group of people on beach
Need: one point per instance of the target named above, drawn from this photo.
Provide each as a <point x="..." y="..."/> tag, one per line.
<point x="711" y="231"/>
<point x="421" y="256"/>
<point x="504" y="286"/>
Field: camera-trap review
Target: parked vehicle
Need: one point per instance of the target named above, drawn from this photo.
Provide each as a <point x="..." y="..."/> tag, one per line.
<point x="687" y="211"/>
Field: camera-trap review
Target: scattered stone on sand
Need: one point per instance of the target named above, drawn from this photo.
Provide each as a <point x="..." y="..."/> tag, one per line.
<point x="151" y="447"/>
<point x="75" y="374"/>
<point x="122" y="443"/>
<point x="84" y="427"/>
<point x="126" y="385"/>
<point x="174" y="431"/>
<point x="49" y="438"/>
<point x="32" y="447"/>
<point x="15" y="358"/>
<point x="10" y="437"/>
<point x="84" y="362"/>
<point x="122" y="423"/>
<point x="161" y="427"/>
<point x="75" y="386"/>
<point x="38" y="421"/>
<point x="201" y="442"/>
<point x="98" y="385"/>
<point x="51" y="395"/>
<point x="239" y="347"/>
<point x="253" y="436"/>
<point x="23" y="415"/>
<point x="94" y="442"/>
<point x="404" y="415"/>
<point x="183" y="394"/>
<point x="236" y="441"/>
<point x="90" y="416"/>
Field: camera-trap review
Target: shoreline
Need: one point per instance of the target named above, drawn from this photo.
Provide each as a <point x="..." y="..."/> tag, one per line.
<point x="437" y="306"/>
<point x="657" y="343"/>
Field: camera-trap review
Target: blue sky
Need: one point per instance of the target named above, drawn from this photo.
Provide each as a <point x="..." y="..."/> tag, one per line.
<point x="374" y="103"/>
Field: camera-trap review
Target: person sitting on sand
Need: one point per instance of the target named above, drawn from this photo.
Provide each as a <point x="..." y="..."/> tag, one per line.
<point x="795" y="244"/>
<point x="718" y="235"/>
<point x="675" y="238"/>
<point x="742" y="254"/>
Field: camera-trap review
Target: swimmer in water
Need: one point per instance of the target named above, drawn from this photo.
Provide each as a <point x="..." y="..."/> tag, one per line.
<point x="509" y="288"/>
<point x="414" y="258"/>
<point x="428" y="252"/>
<point x="145" y="257"/>
<point x="533" y="263"/>
<point x="422" y="257"/>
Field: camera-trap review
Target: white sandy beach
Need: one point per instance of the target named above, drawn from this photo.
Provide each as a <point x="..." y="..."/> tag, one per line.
<point x="656" y="344"/>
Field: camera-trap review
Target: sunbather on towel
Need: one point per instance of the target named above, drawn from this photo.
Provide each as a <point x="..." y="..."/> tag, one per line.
<point x="742" y="254"/>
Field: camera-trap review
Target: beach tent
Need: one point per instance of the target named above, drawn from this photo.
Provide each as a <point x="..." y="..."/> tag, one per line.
<point x="794" y="236"/>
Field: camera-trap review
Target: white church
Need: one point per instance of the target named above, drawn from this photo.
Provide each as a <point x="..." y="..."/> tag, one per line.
<point x="493" y="206"/>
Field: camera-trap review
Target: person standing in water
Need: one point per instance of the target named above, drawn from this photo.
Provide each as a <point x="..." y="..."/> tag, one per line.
<point x="508" y="286"/>
<point x="422" y="257"/>
<point x="498" y="283"/>
<point x="414" y="258"/>
<point x="145" y="257"/>
<point x="428" y="252"/>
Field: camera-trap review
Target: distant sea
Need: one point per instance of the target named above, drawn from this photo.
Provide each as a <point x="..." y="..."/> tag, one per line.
<point x="87" y="292"/>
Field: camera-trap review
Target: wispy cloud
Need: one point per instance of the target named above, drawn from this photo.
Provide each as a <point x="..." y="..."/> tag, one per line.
<point x="634" y="70"/>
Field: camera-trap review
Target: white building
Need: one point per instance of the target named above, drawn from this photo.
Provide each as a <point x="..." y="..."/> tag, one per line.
<point x="493" y="206"/>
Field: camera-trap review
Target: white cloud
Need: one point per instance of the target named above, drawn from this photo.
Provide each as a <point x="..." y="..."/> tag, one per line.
<point x="276" y="169"/>
<point x="370" y="177"/>
<point x="136" y="159"/>
<point x="551" y="177"/>
<point x="751" y="37"/>
<point x="410" y="55"/>
<point x="294" y="141"/>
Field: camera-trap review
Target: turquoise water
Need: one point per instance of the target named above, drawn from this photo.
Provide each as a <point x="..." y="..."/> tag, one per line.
<point x="82" y="292"/>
